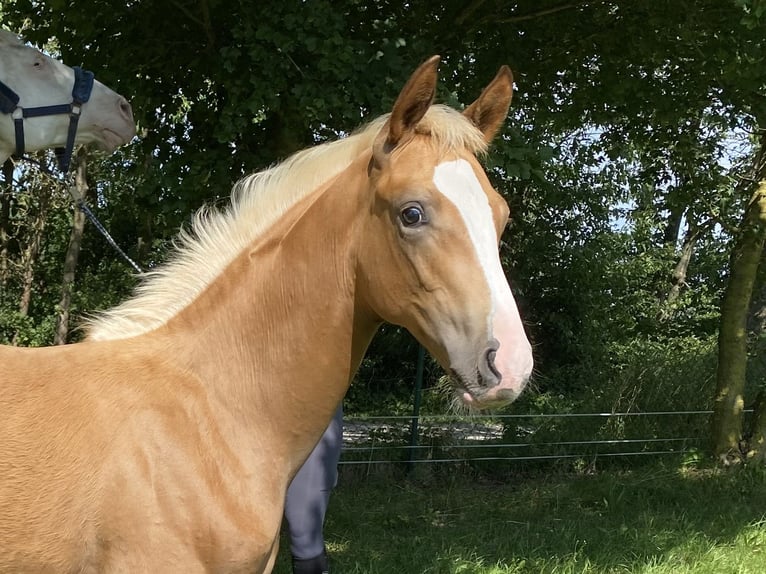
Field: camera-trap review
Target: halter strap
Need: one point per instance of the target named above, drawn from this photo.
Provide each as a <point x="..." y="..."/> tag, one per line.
<point x="8" y="99"/>
<point x="83" y="85"/>
<point x="81" y="91"/>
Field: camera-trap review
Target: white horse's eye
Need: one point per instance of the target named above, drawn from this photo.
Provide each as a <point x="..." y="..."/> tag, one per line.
<point x="412" y="215"/>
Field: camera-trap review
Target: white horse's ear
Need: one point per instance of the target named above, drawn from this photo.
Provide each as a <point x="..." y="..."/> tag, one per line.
<point x="413" y="102"/>
<point x="490" y="109"/>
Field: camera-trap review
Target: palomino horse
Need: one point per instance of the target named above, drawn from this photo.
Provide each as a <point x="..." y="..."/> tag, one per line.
<point x="166" y="441"/>
<point x="44" y="103"/>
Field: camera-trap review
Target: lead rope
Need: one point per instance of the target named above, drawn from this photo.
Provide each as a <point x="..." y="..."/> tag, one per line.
<point x="68" y="182"/>
<point x="82" y="205"/>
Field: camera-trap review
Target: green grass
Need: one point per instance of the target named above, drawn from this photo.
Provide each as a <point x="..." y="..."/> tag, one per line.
<point x="657" y="520"/>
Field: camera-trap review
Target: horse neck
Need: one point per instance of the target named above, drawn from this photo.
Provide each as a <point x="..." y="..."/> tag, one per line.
<point x="280" y="331"/>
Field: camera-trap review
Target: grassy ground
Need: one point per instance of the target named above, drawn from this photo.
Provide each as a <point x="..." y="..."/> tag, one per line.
<point x="657" y="520"/>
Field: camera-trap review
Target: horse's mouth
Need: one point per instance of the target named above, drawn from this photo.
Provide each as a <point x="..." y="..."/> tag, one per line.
<point x="109" y="140"/>
<point x="468" y="391"/>
<point x="475" y="393"/>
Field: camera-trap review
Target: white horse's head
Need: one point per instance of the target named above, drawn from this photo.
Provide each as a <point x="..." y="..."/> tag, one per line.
<point x="106" y="119"/>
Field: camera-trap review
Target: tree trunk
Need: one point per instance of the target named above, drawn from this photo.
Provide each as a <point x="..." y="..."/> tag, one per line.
<point x="757" y="447"/>
<point x="757" y="333"/>
<point x="72" y="253"/>
<point x="673" y="227"/>
<point x="30" y="253"/>
<point x="732" y="337"/>
<point x="678" y="276"/>
<point x="5" y="219"/>
<point x="757" y="319"/>
<point x="145" y="237"/>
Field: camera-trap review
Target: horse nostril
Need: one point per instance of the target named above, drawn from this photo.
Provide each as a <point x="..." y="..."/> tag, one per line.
<point x="490" y="375"/>
<point x="125" y="108"/>
<point x="491" y="354"/>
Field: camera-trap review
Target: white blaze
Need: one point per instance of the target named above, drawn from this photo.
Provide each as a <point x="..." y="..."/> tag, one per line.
<point x="457" y="181"/>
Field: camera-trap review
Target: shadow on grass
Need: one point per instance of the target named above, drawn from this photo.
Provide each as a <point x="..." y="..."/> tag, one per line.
<point x="657" y="519"/>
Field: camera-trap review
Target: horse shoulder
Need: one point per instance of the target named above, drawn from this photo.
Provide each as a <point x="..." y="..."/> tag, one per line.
<point x="179" y="482"/>
<point x="145" y="471"/>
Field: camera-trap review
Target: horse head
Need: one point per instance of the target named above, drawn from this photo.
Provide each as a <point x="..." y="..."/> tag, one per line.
<point x="32" y="79"/>
<point x="432" y="260"/>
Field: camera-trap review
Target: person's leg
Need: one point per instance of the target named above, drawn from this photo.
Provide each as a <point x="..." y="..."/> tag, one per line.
<point x="308" y="497"/>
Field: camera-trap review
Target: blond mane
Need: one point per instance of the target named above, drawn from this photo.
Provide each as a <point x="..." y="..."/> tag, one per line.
<point x="216" y="237"/>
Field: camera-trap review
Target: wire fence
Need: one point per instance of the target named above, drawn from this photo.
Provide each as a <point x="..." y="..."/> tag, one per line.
<point x="646" y="399"/>
<point x="518" y="438"/>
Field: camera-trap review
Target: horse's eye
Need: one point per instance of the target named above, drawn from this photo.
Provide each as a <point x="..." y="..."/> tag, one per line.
<point x="412" y="215"/>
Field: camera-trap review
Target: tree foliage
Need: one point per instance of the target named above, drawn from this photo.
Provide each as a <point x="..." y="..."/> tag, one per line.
<point x="625" y="160"/>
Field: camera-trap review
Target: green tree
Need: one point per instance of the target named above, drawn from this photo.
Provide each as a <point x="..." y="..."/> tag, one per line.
<point x="621" y="161"/>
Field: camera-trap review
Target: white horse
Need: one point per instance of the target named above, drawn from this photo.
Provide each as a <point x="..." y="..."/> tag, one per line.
<point x="39" y="97"/>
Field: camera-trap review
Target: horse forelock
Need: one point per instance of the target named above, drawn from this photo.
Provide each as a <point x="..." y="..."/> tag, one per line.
<point x="215" y="237"/>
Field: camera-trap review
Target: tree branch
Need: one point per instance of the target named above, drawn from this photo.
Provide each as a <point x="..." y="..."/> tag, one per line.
<point x="548" y="11"/>
<point x="468" y="11"/>
<point x="205" y="23"/>
<point x="188" y="14"/>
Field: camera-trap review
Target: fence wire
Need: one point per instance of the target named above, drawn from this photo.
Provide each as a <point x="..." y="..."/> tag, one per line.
<point x="518" y="438"/>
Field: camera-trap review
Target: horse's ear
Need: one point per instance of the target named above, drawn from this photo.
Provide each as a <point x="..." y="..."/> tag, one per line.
<point x="490" y="109"/>
<point x="413" y="102"/>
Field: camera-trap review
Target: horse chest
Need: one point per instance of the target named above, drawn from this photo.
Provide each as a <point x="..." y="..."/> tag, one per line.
<point x="171" y="506"/>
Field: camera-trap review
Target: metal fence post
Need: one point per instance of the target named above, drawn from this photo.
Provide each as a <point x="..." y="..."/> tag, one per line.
<point x="416" y="407"/>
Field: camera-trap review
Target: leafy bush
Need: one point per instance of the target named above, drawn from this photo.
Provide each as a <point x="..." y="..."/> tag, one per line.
<point x="642" y="377"/>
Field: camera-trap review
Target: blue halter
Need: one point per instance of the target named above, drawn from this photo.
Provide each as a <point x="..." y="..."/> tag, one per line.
<point x="9" y="104"/>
